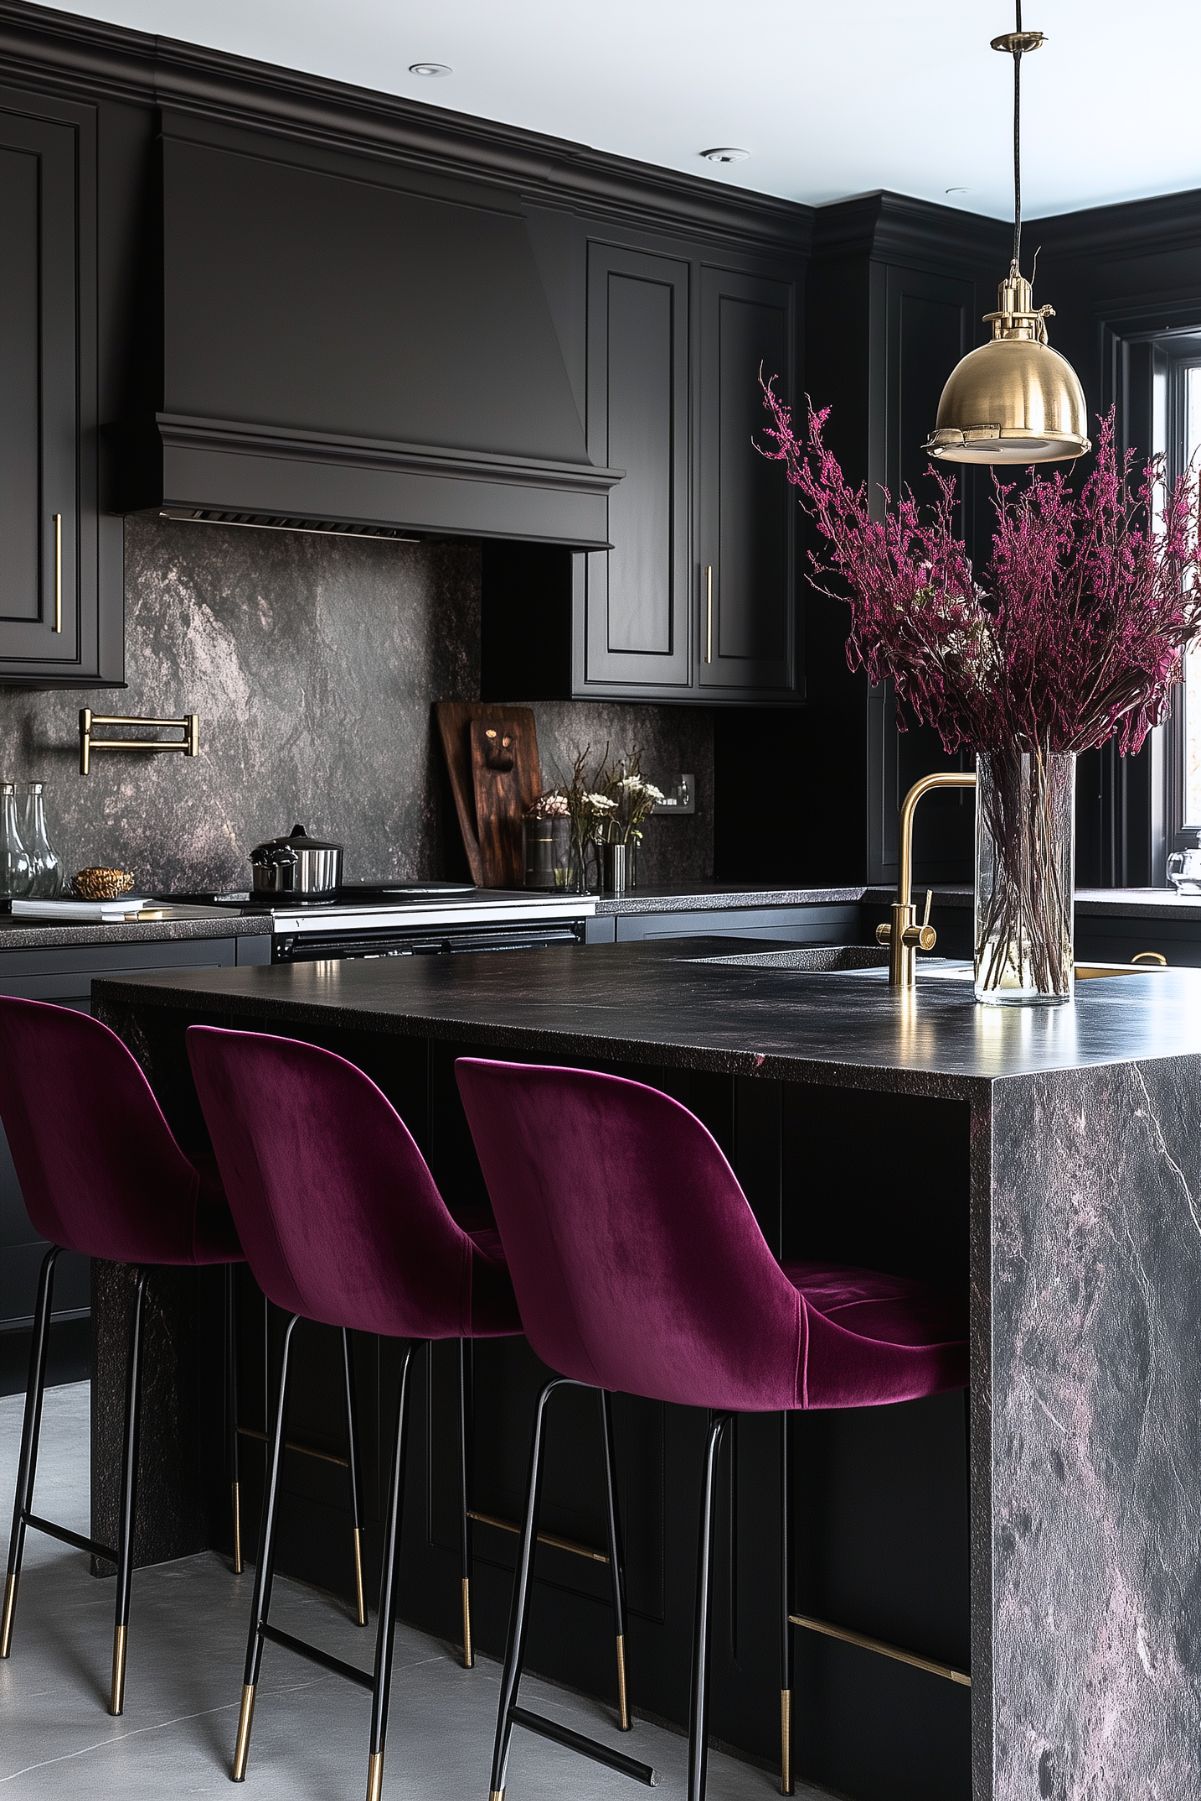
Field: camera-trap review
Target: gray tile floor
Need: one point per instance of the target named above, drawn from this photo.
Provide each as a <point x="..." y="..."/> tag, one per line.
<point x="187" y="1641"/>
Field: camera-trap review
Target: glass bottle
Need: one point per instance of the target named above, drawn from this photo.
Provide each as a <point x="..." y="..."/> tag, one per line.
<point x="16" y="871"/>
<point x="46" y="864"/>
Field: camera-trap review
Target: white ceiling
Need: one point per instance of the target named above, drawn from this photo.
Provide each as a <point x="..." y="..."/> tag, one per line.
<point x="832" y="100"/>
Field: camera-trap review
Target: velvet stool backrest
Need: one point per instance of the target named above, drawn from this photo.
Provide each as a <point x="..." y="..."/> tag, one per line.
<point x="98" y="1165"/>
<point x="339" y="1216"/>
<point x="637" y="1261"/>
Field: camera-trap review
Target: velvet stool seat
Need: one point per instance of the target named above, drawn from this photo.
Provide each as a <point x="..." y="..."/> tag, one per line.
<point x="342" y="1222"/>
<point x="640" y="1268"/>
<point x="102" y="1175"/>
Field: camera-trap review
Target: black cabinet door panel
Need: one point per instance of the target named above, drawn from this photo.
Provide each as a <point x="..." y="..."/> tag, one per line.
<point x="635" y="596"/>
<point x="39" y="366"/>
<point x="746" y="522"/>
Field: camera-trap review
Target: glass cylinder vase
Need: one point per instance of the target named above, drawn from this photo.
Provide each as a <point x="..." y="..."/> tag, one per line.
<point x="1025" y="876"/>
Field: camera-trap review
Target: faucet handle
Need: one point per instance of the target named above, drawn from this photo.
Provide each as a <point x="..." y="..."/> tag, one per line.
<point x="929" y="905"/>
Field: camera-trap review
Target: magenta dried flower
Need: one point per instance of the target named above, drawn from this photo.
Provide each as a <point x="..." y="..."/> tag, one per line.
<point x="1076" y="632"/>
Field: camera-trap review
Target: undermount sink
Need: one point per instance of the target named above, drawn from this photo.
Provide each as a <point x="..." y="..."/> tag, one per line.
<point x="872" y="960"/>
<point x="810" y="959"/>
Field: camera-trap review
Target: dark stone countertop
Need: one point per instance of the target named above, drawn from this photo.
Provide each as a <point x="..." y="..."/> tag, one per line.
<point x="23" y="932"/>
<point x="661" y="1004"/>
<point x="716" y="896"/>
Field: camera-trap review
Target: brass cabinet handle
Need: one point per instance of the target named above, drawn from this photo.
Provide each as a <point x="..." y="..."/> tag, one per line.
<point x="708" y="612"/>
<point x="1156" y="957"/>
<point x="58" y="572"/>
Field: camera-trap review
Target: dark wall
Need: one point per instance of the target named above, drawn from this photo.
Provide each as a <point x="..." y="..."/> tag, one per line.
<point x="313" y="663"/>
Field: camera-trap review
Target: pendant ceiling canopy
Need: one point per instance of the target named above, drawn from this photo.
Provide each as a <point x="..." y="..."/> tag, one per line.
<point x="1014" y="399"/>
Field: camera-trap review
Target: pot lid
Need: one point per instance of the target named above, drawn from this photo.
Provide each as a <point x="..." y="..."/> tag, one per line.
<point x="295" y="840"/>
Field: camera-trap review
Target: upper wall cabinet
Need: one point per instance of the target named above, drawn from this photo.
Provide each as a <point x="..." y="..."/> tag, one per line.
<point x="696" y="598"/>
<point x="634" y="600"/>
<point x="746" y="534"/>
<point x="51" y="628"/>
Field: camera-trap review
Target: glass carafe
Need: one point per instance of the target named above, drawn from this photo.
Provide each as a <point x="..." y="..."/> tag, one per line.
<point x="45" y="864"/>
<point x="16" y="871"/>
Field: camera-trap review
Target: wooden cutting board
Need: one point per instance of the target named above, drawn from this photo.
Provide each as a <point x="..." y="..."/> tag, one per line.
<point x="492" y="758"/>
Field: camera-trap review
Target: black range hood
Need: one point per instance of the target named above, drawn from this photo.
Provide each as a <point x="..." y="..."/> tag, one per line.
<point x="344" y="348"/>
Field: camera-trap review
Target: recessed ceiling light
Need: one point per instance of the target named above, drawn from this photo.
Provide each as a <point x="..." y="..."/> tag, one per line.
<point x="725" y="153"/>
<point x="430" y="69"/>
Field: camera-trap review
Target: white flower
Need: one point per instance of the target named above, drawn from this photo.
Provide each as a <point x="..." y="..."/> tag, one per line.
<point x="601" y="802"/>
<point x="653" y="793"/>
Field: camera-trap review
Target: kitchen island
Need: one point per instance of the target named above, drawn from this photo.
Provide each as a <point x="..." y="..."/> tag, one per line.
<point x="1049" y="1160"/>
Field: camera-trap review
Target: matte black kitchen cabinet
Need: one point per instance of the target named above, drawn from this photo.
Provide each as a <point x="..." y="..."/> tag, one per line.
<point x="633" y="601"/>
<point x="697" y="598"/>
<point x="51" y="625"/>
<point x="746" y="538"/>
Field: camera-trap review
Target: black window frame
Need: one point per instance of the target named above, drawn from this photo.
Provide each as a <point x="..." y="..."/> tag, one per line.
<point x="1175" y="357"/>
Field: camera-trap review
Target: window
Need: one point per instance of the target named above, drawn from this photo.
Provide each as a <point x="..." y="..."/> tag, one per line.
<point x="1188" y="407"/>
<point x="1181" y="434"/>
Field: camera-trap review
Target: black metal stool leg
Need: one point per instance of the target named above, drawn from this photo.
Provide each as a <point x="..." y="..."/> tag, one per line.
<point x="786" y="1536"/>
<point x="129" y="1484"/>
<point x="616" y="1559"/>
<point x="265" y="1571"/>
<point x="231" y="1408"/>
<point x="385" y="1629"/>
<point x="698" y="1732"/>
<point x="356" y="1479"/>
<point x="30" y="1433"/>
<point x="466" y="1370"/>
<point x="510" y="1681"/>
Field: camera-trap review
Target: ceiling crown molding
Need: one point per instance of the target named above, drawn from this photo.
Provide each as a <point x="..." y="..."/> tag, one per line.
<point x="130" y="65"/>
<point x="899" y="228"/>
<point x="1131" y="228"/>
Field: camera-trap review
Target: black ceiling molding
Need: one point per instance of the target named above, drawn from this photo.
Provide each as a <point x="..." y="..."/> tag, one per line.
<point x="160" y="71"/>
<point x="897" y="227"/>
<point x="1133" y="228"/>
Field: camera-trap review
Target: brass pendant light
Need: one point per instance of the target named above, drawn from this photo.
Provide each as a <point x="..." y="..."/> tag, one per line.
<point x="1014" y="399"/>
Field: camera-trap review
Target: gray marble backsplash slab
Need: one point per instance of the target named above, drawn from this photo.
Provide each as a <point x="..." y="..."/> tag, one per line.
<point x="313" y="663"/>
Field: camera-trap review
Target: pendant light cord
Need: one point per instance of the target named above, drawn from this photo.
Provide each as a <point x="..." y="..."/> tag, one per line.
<point x="1017" y="149"/>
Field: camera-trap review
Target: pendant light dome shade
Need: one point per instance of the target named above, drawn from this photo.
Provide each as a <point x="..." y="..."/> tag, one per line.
<point x="1014" y="399"/>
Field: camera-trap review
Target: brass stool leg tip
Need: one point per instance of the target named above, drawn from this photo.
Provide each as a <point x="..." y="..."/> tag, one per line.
<point x="468" y="1647"/>
<point x="623" y="1700"/>
<point x="359" y="1599"/>
<point x="786" y="1784"/>
<point x="10" y="1608"/>
<point x="375" y="1776"/>
<point x="242" y="1747"/>
<point x="116" y="1704"/>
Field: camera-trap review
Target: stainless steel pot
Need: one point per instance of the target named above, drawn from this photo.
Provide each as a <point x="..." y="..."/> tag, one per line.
<point x="297" y="865"/>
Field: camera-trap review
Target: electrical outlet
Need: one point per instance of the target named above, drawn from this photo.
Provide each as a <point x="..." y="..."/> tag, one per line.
<point x="679" y="796"/>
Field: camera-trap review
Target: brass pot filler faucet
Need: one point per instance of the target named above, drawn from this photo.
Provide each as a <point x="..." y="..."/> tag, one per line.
<point x="905" y="937"/>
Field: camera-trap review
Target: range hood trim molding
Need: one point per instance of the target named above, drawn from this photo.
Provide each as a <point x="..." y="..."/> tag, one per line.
<point x="217" y="465"/>
<point x="184" y="430"/>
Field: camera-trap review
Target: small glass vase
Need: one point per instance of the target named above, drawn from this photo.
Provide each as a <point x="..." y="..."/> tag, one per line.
<point x="46" y="865"/>
<point x="1025" y="877"/>
<point x="16" y="870"/>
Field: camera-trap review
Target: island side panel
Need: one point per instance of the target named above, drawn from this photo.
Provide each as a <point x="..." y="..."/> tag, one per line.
<point x="1095" y="1353"/>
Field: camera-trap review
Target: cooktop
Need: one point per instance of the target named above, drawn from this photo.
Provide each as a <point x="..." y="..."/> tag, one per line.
<point x="351" y="894"/>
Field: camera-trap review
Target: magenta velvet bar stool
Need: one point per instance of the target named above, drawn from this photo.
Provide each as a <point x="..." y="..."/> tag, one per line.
<point x="341" y="1221"/>
<point x="101" y="1174"/>
<point x="641" y="1268"/>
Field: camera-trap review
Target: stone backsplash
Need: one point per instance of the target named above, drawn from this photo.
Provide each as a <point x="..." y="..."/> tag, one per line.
<point x="313" y="663"/>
